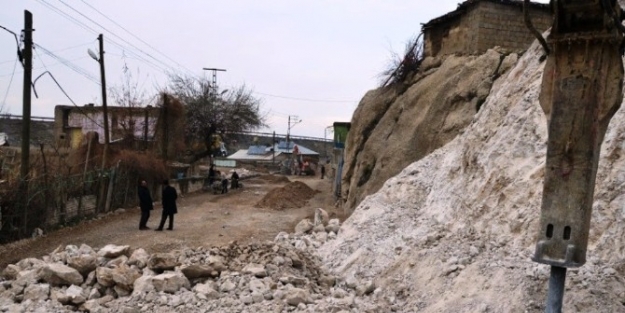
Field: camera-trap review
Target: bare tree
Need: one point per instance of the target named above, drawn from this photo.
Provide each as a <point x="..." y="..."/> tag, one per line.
<point x="131" y="96"/>
<point x="210" y="113"/>
<point x="401" y="66"/>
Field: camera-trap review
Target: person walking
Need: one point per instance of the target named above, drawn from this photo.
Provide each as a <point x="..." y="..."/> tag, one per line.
<point x="145" y="203"/>
<point x="323" y="171"/>
<point x="224" y="184"/>
<point x="211" y="174"/>
<point x="168" y="199"/>
<point x="234" y="180"/>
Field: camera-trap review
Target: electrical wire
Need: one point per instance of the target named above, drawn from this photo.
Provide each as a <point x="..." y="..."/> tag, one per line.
<point x="89" y="29"/>
<point x="115" y="35"/>
<point x="41" y="67"/>
<point x="56" y="51"/>
<point x="303" y="99"/>
<point x="69" y="64"/>
<point x="133" y="35"/>
<point x="9" y="86"/>
<point x="110" y="32"/>
<point x="59" y="85"/>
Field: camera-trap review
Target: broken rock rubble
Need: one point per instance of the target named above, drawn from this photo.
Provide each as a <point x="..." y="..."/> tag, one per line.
<point x="273" y="276"/>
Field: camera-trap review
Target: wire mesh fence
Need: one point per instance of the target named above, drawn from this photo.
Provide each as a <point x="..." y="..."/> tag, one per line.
<point x="53" y="197"/>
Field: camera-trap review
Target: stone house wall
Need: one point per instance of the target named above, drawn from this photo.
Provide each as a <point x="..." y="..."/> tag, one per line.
<point x="477" y="26"/>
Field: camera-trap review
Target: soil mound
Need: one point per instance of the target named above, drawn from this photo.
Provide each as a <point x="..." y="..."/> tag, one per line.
<point x="275" y="179"/>
<point x="293" y="195"/>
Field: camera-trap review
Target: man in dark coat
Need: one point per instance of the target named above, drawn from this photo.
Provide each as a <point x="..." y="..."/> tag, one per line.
<point x="234" y="180"/>
<point x="211" y="175"/>
<point x="168" y="199"/>
<point x="145" y="202"/>
<point x="224" y="185"/>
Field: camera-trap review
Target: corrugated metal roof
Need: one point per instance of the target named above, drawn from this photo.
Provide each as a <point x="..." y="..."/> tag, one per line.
<point x="257" y="150"/>
<point x="302" y="150"/>
<point x="244" y="156"/>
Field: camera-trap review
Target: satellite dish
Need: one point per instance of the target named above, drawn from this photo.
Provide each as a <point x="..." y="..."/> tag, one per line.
<point x="92" y="54"/>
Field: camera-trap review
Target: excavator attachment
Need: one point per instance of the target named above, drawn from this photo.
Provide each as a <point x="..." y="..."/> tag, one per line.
<point x="581" y="91"/>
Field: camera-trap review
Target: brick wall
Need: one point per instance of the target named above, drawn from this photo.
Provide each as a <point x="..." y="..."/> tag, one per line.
<point x="503" y="25"/>
<point x="456" y="36"/>
<point x="484" y="26"/>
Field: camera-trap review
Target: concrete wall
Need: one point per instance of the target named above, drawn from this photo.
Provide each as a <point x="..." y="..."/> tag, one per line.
<point x="503" y="25"/>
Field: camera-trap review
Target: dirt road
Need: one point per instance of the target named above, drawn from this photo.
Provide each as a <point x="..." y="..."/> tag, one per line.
<point x="203" y="219"/>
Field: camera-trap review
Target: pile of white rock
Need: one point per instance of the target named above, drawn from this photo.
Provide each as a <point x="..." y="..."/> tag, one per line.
<point x="282" y="275"/>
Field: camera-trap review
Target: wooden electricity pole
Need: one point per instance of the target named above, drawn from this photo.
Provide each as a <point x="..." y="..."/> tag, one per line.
<point x="27" y="55"/>
<point x="106" y="122"/>
<point x="104" y="106"/>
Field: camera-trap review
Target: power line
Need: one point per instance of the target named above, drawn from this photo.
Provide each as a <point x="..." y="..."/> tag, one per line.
<point x="9" y="86"/>
<point x="303" y="99"/>
<point x="115" y="35"/>
<point x="69" y="64"/>
<point x="62" y="90"/>
<point x="56" y="51"/>
<point x="136" y="37"/>
<point x="89" y="29"/>
<point x="50" y="65"/>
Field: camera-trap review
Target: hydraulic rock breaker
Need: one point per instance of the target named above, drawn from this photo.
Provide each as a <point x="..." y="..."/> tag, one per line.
<point x="581" y="91"/>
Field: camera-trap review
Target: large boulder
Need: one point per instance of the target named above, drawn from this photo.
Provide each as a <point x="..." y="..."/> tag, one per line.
<point x="395" y="126"/>
<point x="11" y="271"/>
<point x="295" y="296"/>
<point x="59" y="274"/>
<point x="104" y="276"/>
<point x="198" y="271"/>
<point x="142" y="285"/>
<point x="124" y="276"/>
<point x="207" y="290"/>
<point x="112" y="251"/>
<point x="139" y="258"/>
<point x="31" y="263"/>
<point x="170" y="282"/>
<point x="160" y="262"/>
<point x="257" y="270"/>
<point x="216" y="262"/>
<point x="321" y="217"/>
<point x="304" y="226"/>
<point x="73" y="295"/>
<point x="83" y="263"/>
<point x="37" y="292"/>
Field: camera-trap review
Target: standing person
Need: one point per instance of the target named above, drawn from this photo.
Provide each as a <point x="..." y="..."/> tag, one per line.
<point x="168" y="199"/>
<point x="224" y="184"/>
<point x="145" y="202"/>
<point x="211" y="174"/>
<point x="235" y="180"/>
<point x="323" y="171"/>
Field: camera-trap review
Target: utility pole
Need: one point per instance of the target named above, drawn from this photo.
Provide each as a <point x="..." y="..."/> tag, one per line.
<point x="273" y="148"/>
<point x="27" y="55"/>
<point x="100" y="60"/>
<point x="165" y="128"/>
<point x="296" y="120"/>
<point x="104" y="107"/>
<point x="214" y="81"/>
<point x="145" y="128"/>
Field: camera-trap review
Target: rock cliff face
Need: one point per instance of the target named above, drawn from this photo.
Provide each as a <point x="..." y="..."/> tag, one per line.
<point x="395" y="126"/>
<point x="456" y="230"/>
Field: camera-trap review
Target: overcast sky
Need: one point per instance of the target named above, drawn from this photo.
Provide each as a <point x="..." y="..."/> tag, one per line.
<point x="314" y="59"/>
